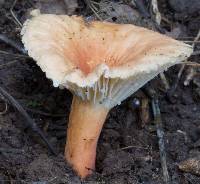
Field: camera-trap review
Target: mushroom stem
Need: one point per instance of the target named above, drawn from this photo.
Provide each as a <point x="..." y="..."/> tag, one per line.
<point x="85" y="123"/>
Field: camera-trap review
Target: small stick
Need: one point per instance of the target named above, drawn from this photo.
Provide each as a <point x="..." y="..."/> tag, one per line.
<point x="12" y="13"/>
<point x="183" y="67"/>
<point x="190" y="41"/>
<point x="144" y="112"/>
<point x="12" y="43"/>
<point x="196" y="39"/>
<point x="190" y="63"/>
<point x="165" y="81"/>
<point x="7" y="64"/>
<point x="191" y="72"/>
<point x="160" y="134"/>
<point x="11" y="150"/>
<point x="130" y="147"/>
<point x="174" y="86"/>
<point x="151" y="93"/>
<point x="34" y="111"/>
<point x="30" y="122"/>
<point x="93" y="8"/>
<point x="2" y="52"/>
<point x="157" y="20"/>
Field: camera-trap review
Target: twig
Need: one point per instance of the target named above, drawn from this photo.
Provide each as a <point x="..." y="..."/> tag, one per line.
<point x="13" y="14"/>
<point x="155" y="14"/>
<point x="130" y="147"/>
<point x="173" y="88"/>
<point x="91" y="3"/>
<point x="186" y="41"/>
<point x="12" y="43"/>
<point x="30" y="122"/>
<point x="191" y="72"/>
<point x="164" y="19"/>
<point x="93" y="8"/>
<point x="12" y="54"/>
<point x="196" y="39"/>
<point x="143" y="112"/>
<point x="34" y="111"/>
<point x="190" y="63"/>
<point x="11" y="150"/>
<point x="160" y="134"/>
<point x="9" y="63"/>
<point x="151" y="93"/>
<point x="164" y="80"/>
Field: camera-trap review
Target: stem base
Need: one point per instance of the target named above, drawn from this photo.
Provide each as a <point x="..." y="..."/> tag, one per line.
<point x="85" y="123"/>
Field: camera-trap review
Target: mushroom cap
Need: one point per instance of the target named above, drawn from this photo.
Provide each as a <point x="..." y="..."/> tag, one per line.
<point x="99" y="61"/>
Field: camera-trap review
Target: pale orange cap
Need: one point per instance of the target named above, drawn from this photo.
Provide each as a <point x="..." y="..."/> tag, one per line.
<point x="99" y="61"/>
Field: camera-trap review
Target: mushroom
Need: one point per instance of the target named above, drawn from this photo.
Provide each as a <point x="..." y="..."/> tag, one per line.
<point x="102" y="64"/>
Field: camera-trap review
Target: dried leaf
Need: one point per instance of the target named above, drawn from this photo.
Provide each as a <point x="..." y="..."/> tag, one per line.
<point x="191" y="165"/>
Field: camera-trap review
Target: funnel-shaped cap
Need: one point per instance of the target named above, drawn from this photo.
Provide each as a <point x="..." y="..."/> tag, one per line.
<point x="99" y="61"/>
